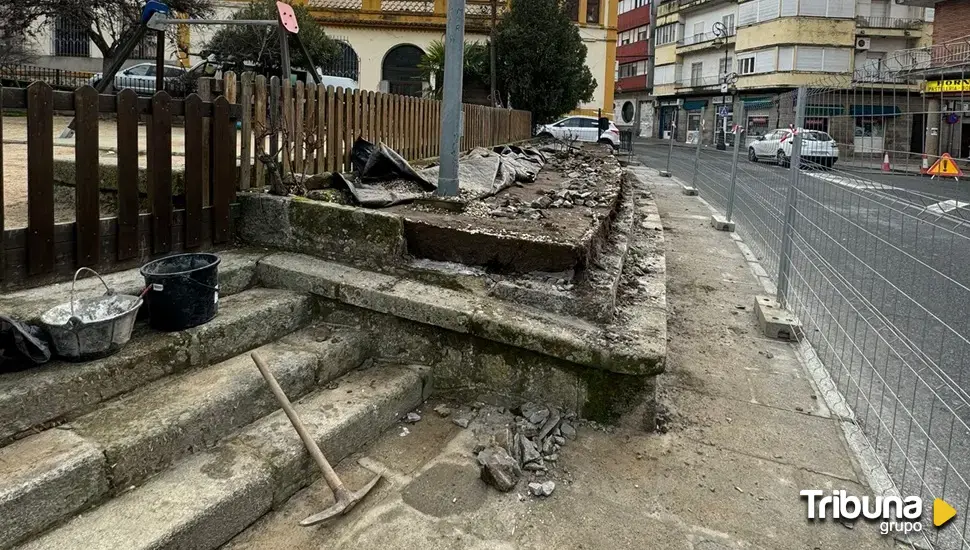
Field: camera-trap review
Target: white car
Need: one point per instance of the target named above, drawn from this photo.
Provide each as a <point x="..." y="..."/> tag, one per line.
<point x="818" y="148"/>
<point x="141" y="77"/>
<point x="581" y="128"/>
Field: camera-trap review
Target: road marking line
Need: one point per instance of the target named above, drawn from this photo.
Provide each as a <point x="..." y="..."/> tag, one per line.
<point x="943" y="207"/>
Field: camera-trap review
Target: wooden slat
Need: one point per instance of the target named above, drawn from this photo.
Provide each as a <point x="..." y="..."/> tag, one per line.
<point x="207" y="94"/>
<point x="194" y="182"/>
<point x="40" y="178"/>
<point x="333" y="121"/>
<point x="422" y="141"/>
<point x="260" y="128"/>
<point x="16" y="98"/>
<point x="310" y="128"/>
<point x="413" y="135"/>
<point x="274" y="116"/>
<point x="229" y="86"/>
<point x="321" y="129"/>
<point x="246" y="148"/>
<point x="288" y="130"/>
<point x="354" y="126"/>
<point x="223" y="172"/>
<point x="363" y="116"/>
<point x="297" y="116"/>
<point x="127" y="147"/>
<point x="379" y="116"/>
<point x="372" y="132"/>
<point x="348" y="130"/>
<point x="161" y="169"/>
<point x="3" y="232"/>
<point x="87" y="211"/>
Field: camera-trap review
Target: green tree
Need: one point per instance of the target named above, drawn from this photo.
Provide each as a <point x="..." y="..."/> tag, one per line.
<point x="541" y="60"/>
<point x="476" y="71"/>
<point x="249" y="47"/>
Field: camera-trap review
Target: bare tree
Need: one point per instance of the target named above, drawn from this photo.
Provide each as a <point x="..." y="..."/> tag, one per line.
<point x="107" y="23"/>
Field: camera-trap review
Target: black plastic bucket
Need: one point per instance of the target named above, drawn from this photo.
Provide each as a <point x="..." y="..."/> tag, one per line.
<point x="183" y="290"/>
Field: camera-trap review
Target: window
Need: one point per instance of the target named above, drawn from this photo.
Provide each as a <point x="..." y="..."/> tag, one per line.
<point x="593" y="11"/>
<point x="571" y="7"/>
<point x="643" y="33"/>
<point x="746" y="65"/>
<point x="693" y="122"/>
<point x="724" y="66"/>
<point x="666" y="34"/>
<point x="696" y="74"/>
<point x="573" y="122"/>
<point x="70" y="38"/>
<point x="698" y="32"/>
<point x="628" y="70"/>
<point x="829" y="60"/>
<point x="728" y="21"/>
<point x="144" y="69"/>
<point x="588" y="123"/>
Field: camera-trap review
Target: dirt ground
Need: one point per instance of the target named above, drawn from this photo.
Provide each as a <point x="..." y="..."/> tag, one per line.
<point x="742" y="432"/>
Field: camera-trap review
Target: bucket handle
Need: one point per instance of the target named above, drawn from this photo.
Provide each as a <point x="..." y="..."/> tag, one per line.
<point x="78" y="272"/>
<point x="200" y="283"/>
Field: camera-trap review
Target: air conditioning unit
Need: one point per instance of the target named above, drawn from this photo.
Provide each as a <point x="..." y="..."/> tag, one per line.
<point x="863" y="43"/>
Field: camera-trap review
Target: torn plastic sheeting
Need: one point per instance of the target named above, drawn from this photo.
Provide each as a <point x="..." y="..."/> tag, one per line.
<point x="477" y="173"/>
<point x="20" y="341"/>
<point x="377" y="195"/>
<point x="380" y="163"/>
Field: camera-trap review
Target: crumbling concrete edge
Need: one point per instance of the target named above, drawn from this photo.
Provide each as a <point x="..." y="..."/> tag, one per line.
<point x="566" y="338"/>
<point x="720" y="223"/>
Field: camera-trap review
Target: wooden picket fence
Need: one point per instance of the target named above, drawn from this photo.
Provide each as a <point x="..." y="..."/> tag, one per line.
<point x="313" y="128"/>
<point x="45" y="250"/>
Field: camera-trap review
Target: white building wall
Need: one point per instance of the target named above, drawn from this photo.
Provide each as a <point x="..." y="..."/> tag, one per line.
<point x="711" y="60"/>
<point x="707" y="18"/>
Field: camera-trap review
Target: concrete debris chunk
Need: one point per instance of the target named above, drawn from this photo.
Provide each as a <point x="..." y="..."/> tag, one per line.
<point x="568" y="430"/>
<point x="499" y="469"/>
<point x="443" y="410"/>
<point x="412" y="417"/>
<point x="528" y="451"/>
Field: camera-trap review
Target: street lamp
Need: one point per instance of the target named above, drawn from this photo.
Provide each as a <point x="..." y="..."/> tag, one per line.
<point x="720" y="31"/>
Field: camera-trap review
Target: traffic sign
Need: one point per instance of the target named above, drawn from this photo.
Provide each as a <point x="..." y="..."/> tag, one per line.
<point x="723" y="112"/>
<point x="945" y="167"/>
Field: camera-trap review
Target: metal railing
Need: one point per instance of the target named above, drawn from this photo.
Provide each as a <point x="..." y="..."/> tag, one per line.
<point x="870" y="254"/>
<point x="699" y="81"/>
<point x="889" y="22"/>
<point x="21" y="76"/>
<point x="705" y="37"/>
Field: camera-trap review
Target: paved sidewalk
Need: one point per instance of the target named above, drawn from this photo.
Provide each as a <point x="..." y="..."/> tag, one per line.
<point x="744" y="431"/>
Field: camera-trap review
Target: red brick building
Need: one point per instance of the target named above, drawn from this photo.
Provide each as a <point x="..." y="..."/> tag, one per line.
<point x="952" y="20"/>
<point x="631" y="97"/>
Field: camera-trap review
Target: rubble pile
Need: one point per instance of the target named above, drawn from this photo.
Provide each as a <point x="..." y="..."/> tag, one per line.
<point x="516" y="444"/>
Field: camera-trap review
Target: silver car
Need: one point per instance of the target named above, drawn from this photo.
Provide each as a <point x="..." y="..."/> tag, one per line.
<point x="141" y="77"/>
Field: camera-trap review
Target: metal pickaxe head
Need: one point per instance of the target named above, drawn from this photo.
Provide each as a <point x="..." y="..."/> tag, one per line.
<point x="345" y="503"/>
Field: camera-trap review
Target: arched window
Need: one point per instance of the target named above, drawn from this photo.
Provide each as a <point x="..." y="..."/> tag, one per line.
<point x="400" y="70"/>
<point x="346" y="64"/>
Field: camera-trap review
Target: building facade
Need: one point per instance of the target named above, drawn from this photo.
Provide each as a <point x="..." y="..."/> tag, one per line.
<point x="714" y="57"/>
<point x="382" y="40"/>
<point x="633" y="105"/>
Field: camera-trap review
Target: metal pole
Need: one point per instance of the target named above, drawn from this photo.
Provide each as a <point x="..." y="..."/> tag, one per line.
<point x="159" y="61"/>
<point x="697" y="151"/>
<point x="284" y="52"/>
<point x="451" y="118"/>
<point x="784" y="261"/>
<point x="734" y="164"/>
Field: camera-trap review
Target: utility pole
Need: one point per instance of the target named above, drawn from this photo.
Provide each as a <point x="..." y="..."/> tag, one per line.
<point x="493" y="57"/>
<point x="651" y="61"/>
<point x="451" y="119"/>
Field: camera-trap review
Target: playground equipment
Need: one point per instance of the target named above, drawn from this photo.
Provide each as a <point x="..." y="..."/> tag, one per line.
<point x="155" y="17"/>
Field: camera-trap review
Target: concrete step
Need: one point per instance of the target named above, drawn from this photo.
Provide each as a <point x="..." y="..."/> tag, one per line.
<point x="237" y="270"/>
<point x="37" y="398"/>
<point x="144" y="432"/>
<point x="209" y="497"/>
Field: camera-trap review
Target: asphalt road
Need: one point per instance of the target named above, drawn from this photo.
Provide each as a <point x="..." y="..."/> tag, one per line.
<point x="881" y="280"/>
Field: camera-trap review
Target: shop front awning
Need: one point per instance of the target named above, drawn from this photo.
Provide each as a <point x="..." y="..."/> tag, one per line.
<point x="752" y="103"/>
<point x="874" y="110"/>
<point x="695" y="105"/>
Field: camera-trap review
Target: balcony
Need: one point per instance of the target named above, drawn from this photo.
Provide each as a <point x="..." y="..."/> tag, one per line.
<point x="628" y="53"/>
<point x="636" y="83"/>
<point x="697" y="42"/>
<point x="690" y="5"/>
<point x="897" y="23"/>
<point x="701" y="82"/>
<point x="637" y="17"/>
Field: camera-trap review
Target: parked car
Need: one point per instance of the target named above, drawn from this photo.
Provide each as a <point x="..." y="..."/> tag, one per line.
<point x="141" y="77"/>
<point x="581" y="128"/>
<point x="817" y="148"/>
<point x="336" y="81"/>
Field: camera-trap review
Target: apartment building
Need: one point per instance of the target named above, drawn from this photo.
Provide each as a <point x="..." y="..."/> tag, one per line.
<point x="715" y="56"/>
<point x="632" y="103"/>
<point x="382" y="40"/>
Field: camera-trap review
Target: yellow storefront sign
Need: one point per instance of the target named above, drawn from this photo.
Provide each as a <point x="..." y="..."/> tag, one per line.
<point x="962" y="85"/>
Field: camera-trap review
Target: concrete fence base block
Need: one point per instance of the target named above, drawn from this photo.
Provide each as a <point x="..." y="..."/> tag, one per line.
<point x="776" y="321"/>
<point x="664" y="173"/>
<point x="721" y="224"/>
<point x="689" y="191"/>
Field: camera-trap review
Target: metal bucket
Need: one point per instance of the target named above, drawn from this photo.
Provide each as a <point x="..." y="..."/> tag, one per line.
<point x="89" y="328"/>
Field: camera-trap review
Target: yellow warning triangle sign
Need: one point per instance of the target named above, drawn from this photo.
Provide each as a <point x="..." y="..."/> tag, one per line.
<point x="945" y="166"/>
<point x="942" y="512"/>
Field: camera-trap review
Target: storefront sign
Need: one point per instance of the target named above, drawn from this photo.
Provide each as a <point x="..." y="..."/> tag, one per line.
<point x="758" y="120"/>
<point x="962" y="85"/>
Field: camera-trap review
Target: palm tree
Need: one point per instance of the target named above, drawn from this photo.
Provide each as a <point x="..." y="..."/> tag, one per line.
<point x="476" y="71"/>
